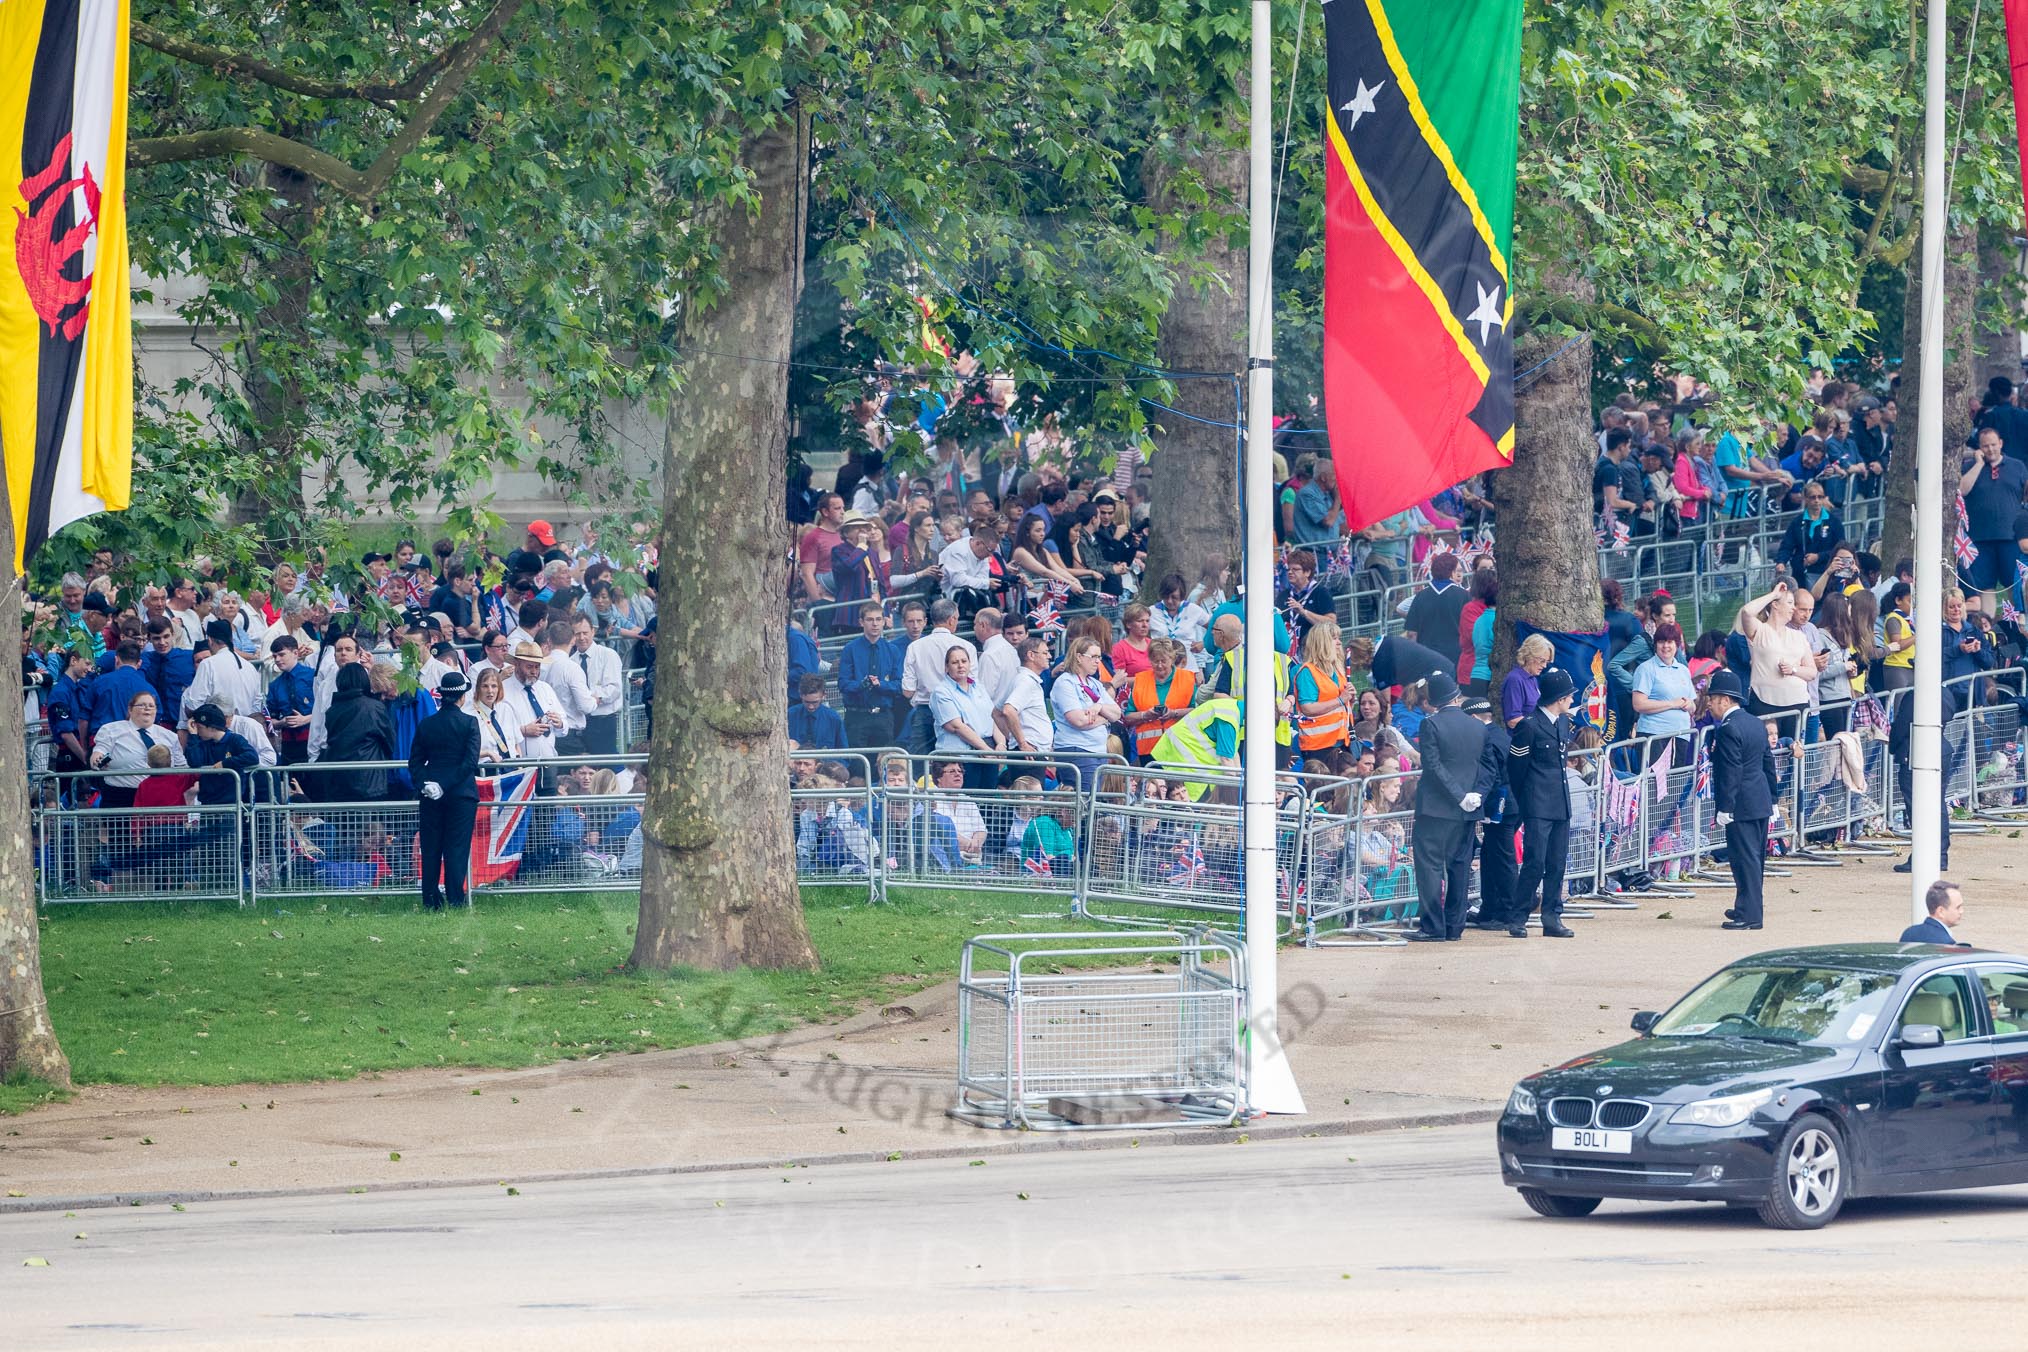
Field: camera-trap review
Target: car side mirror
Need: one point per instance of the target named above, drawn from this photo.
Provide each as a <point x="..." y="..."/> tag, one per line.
<point x="1919" y="1035"/>
<point x="1645" y="1021"/>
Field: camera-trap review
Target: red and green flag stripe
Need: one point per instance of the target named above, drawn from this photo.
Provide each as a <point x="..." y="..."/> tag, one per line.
<point x="1422" y="132"/>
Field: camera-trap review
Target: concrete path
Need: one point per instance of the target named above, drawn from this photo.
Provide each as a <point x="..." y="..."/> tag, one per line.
<point x="1404" y="1240"/>
<point x="1426" y="1034"/>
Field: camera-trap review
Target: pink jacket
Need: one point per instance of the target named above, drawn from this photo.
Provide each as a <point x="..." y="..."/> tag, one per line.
<point x="1688" y="484"/>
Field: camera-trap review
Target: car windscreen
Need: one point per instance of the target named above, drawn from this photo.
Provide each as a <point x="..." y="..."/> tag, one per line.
<point x="1821" y="1006"/>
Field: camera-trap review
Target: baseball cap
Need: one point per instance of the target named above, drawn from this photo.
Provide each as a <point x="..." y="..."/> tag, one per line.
<point x="544" y="532"/>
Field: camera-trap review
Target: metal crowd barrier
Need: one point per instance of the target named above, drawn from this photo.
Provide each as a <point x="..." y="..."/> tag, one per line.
<point x="1020" y="837"/>
<point x="1045" y="1043"/>
<point x="1154" y="851"/>
<point x="184" y="851"/>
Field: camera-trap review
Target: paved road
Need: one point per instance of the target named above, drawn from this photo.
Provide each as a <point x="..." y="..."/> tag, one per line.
<point x="1411" y="1241"/>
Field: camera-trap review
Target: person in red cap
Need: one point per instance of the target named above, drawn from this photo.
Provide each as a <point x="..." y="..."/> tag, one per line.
<point x="541" y="536"/>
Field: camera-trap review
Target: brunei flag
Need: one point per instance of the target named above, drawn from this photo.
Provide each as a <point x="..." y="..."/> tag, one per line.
<point x="1418" y="364"/>
<point x="66" y="343"/>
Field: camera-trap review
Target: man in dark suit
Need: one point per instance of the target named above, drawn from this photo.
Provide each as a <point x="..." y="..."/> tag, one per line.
<point x="1535" y="771"/>
<point x="1946" y="907"/>
<point x="443" y="764"/>
<point x="1498" y="870"/>
<point x="1446" y="804"/>
<point x="1743" y="786"/>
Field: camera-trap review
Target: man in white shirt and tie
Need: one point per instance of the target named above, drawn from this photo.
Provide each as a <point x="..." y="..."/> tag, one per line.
<point x="567" y="678"/>
<point x="968" y="568"/>
<point x="224" y="677"/>
<point x="602" y="673"/>
<point x="922" y="671"/>
<point x="538" y="712"/>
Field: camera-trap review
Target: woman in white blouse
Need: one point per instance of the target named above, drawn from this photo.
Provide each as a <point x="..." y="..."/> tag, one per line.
<point x="499" y="735"/>
<point x="122" y="748"/>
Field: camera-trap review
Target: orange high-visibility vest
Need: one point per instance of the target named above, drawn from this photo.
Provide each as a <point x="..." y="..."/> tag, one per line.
<point x="1182" y="685"/>
<point x="1314" y="732"/>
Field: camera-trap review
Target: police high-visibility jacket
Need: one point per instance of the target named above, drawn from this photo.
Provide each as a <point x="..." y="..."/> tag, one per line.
<point x="1144" y="696"/>
<point x="1201" y="738"/>
<point x="1314" y="732"/>
<point x="1236" y="660"/>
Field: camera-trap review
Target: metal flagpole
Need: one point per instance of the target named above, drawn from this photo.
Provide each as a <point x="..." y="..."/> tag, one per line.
<point x="1271" y="1084"/>
<point x="1926" y="743"/>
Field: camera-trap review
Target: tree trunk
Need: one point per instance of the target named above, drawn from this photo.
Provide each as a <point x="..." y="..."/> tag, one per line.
<point x="274" y="355"/>
<point x="1545" y="546"/>
<point x="1999" y="315"/>
<point x="27" y="1038"/>
<point x="1960" y="386"/>
<point x="718" y="875"/>
<point x="1204" y="329"/>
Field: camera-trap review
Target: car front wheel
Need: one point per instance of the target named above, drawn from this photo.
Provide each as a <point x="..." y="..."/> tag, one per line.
<point x="1563" y="1208"/>
<point x="1810" y="1178"/>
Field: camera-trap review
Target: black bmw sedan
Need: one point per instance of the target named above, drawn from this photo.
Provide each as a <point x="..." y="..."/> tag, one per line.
<point x="1788" y="1082"/>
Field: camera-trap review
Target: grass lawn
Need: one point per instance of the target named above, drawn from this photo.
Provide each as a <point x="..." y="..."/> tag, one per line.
<point x="19" y="1093"/>
<point x="203" y="994"/>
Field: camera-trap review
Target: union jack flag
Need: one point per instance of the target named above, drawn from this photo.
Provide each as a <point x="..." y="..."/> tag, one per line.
<point x="500" y="831"/>
<point x="1703" y="781"/>
<point x="1967" y="552"/>
<point x="1615" y="538"/>
<point x="1045" y="616"/>
<point x="1188" y="866"/>
<point x="1039" y="863"/>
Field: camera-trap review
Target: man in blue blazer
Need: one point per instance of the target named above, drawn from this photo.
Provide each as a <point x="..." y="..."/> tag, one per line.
<point x="1946" y="907"/>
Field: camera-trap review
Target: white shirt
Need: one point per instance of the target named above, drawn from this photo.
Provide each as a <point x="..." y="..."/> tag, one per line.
<point x="255" y="734"/>
<point x="602" y="673"/>
<point x="963" y="568"/>
<point x="1029" y="704"/>
<point x="499" y="732"/>
<point x="1185" y="627"/>
<point x="523" y="701"/>
<point x="922" y="666"/>
<point x="189" y="629"/>
<point x="997" y="664"/>
<point x="226" y="673"/>
<point x="126" y="749"/>
<point x="321" y="691"/>
<point x="560" y="671"/>
<point x="431" y="674"/>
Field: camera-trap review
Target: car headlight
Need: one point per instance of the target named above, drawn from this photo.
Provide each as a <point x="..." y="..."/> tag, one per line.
<point x="1521" y="1102"/>
<point x="1721" y="1112"/>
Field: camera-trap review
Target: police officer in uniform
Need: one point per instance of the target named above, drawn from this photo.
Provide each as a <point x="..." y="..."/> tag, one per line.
<point x="1446" y="804"/>
<point x="1743" y="784"/>
<point x="1535" y="771"/>
<point x="443" y="764"/>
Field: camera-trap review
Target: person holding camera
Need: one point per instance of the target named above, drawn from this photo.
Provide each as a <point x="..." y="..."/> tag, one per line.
<point x="1992" y="488"/>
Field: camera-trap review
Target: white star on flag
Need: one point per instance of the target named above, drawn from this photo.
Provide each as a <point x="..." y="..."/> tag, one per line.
<point x="1487" y="316"/>
<point x="1361" y="103"/>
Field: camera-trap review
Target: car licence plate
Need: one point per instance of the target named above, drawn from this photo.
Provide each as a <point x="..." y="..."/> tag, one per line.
<point x="1593" y="1140"/>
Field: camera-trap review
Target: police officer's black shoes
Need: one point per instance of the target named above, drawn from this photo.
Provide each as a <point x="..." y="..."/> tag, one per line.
<point x="1905" y="866"/>
<point x="1418" y="937"/>
<point x="1558" y="932"/>
<point x="1739" y="925"/>
<point x="1518" y="932"/>
<point x="1732" y="913"/>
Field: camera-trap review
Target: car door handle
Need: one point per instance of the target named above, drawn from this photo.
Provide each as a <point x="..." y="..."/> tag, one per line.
<point x="1982" y="1071"/>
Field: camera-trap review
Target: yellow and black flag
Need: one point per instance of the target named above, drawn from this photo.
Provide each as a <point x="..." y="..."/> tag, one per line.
<point x="66" y="319"/>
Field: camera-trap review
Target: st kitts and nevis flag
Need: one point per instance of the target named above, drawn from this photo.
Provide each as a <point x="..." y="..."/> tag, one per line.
<point x="66" y="320"/>
<point x="1422" y="127"/>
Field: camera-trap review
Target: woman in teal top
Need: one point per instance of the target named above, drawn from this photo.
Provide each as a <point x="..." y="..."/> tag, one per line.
<point x="1482" y="645"/>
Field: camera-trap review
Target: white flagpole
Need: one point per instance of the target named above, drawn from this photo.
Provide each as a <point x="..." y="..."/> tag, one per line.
<point x="1926" y="742"/>
<point x="1271" y="1084"/>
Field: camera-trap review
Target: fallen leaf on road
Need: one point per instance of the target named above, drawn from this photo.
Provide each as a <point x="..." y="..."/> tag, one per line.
<point x="35" y="1262"/>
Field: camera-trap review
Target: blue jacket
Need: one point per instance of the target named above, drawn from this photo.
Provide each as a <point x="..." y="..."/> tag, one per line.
<point x="802" y="658"/>
<point x="293" y="692"/>
<point x="882" y="662"/>
<point x="170" y="673"/>
<point x="231" y="752"/>
<point x="70" y="706"/>
<point x="1930" y="931"/>
<point x="1960" y="664"/>
<point x="816" y="729"/>
<point x="112" y="692"/>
